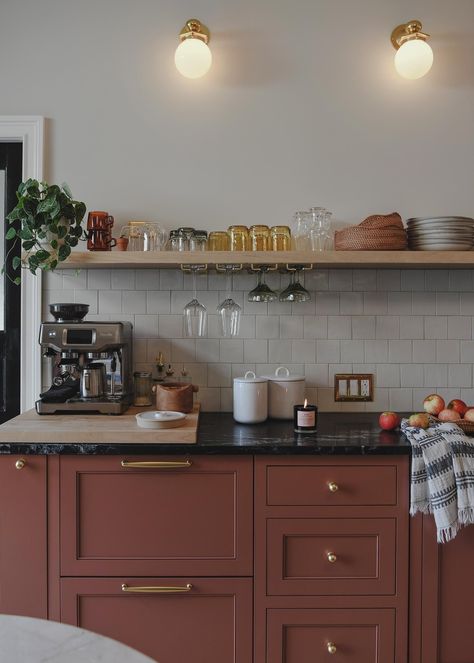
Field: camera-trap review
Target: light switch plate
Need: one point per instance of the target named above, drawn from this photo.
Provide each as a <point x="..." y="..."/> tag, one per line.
<point x="357" y="387"/>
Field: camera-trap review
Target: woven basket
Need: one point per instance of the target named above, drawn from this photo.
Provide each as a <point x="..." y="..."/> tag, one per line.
<point x="379" y="232"/>
<point x="466" y="426"/>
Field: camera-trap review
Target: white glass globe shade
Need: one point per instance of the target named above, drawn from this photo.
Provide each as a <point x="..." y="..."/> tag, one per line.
<point x="414" y="59"/>
<point x="193" y="58"/>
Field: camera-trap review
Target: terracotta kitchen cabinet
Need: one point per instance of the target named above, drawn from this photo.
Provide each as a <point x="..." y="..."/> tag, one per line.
<point x="331" y="559"/>
<point x="212" y="622"/>
<point x="442" y="601"/>
<point x="194" y="519"/>
<point x="23" y="556"/>
<point x="309" y="636"/>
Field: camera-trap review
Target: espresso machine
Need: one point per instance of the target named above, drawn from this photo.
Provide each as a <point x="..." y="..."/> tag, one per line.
<point x="91" y="363"/>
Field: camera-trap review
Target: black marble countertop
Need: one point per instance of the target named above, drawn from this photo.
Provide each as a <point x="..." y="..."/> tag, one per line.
<point x="338" y="434"/>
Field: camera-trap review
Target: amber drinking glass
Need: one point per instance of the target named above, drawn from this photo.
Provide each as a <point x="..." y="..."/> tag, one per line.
<point x="218" y="241"/>
<point x="280" y="238"/>
<point x="259" y="238"/>
<point x="239" y="238"/>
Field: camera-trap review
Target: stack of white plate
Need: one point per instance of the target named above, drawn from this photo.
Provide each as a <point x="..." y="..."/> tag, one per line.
<point x="441" y="233"/>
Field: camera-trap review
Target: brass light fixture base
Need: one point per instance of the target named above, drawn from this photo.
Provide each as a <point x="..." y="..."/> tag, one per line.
<point x="196" y="30"/>
<point x="407" y="31"/>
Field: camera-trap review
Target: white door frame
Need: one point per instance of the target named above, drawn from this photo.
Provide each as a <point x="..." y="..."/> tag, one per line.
<point x="29" y="130"/>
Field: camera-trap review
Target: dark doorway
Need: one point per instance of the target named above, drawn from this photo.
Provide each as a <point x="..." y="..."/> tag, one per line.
<point x="11" y="155"/>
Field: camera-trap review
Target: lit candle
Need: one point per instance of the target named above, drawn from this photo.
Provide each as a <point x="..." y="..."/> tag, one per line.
<point x="305" y="418"/>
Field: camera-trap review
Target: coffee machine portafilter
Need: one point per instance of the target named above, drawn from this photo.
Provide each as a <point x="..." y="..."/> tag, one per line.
<point x="91" y="367"/>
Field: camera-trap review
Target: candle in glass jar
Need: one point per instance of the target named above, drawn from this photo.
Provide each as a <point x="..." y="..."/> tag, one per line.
<point x="305" y="418"/>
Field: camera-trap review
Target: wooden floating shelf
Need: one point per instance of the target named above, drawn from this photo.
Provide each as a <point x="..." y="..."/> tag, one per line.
<point x="335" y="259"/>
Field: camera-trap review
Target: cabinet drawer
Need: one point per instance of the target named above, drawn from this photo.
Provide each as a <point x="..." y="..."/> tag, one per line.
<point x="314" y="483"/>
<point x="193" y="519"/>
<point x="211" y="622"/>
<point x="352" y="636"/>
<point x="331" y="556"/>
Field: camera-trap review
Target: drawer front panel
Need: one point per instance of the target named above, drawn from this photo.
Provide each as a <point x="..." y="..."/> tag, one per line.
<point x="212" y="622"/>
<point x="352" y="636"/>
<point x="331" y="556"/>
<point x="317" y="484"/>
<point x="160" y="521"/>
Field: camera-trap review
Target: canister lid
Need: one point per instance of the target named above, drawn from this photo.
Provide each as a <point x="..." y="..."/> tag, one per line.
<point x="250" y="377"/>
<point x="286" y="377"/>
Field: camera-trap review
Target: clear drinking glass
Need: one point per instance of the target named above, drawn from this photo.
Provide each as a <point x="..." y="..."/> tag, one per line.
<point x="261" y="292"/>
<point x="320" y="234"/>
<point x="301" y="227"/>
<point x="229" y="312"/>
<point x="194" y="315"/>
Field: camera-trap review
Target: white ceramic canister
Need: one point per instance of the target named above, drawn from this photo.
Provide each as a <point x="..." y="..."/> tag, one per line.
<point x="250" y="399"/>
<point x="284" y="391"/>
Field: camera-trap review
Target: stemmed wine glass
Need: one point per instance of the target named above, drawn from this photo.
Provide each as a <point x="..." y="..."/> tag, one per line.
<point x="294" y="292"/>
<point x="194" y="314"/>
<point x="229" y="311"/>
<point x="261" y="292"/>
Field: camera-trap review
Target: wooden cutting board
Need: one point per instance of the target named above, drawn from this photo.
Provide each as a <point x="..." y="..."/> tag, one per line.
<point x="31" y="427"/>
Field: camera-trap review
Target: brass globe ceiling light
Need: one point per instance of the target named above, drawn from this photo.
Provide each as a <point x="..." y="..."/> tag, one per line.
<point x="414" y="56"/>
<point x="193" y="57"/>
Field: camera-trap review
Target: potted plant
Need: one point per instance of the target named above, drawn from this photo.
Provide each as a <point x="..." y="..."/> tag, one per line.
<point x="47" y="222"/>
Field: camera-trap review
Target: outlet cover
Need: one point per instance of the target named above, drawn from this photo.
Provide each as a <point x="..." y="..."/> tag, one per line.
<point x="356" y="387"/>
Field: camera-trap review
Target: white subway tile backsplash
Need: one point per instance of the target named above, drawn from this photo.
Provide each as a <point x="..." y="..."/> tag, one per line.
<point x="339" y="326"/>
<point x="231" y="350"/>
<point x="351" y="303"/>
<point x="375" y="303"/>
<point x="352" y="351"/>
<point x="291" y="326"/>
<point x="460" y="327"/>
<point x="447" y="352"/>
<point x="411" y="328"/>
<point x="327" y="303"/>
<point x="387" y="326"/>
<point x="399" y="351"/>
<point x="134" y="301"/>
<point x="302" y="351"/>
<point x="447" y="303"/>
<point x="459" y="375"/>
<point x="328" y="351"/>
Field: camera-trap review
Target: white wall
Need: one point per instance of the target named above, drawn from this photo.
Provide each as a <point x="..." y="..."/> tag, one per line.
<point x="302" y="107"/>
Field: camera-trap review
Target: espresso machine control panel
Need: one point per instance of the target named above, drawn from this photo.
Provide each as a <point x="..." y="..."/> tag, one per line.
<point x="91" y="367"/>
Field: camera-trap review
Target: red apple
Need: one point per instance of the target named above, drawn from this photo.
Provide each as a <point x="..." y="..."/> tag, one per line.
<point x="433" y="404"/>
<point x="449" y="415"/>
<point x="389" y="420"/>
<point x="469" y="414"/>
<point x="419" y="420"/>
<point x="458" y="405"/>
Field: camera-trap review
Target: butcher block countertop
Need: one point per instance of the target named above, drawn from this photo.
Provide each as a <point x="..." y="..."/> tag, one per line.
<point x="31" y="427"/>
<point x="342" y="433"/>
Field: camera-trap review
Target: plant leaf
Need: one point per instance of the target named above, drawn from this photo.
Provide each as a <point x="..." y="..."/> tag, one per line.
<point x="64" y="252"/>
<point x="11" y="233"/>
<point x="17" y="280"/>
<point x="42" y="255"/>
<point x="28" y="244"/>
<point x="16" y="262"/>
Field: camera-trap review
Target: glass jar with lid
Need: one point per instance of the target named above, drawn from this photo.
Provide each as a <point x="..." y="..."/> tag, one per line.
<point x="239" y="238"/>
<point x="280" y="237"/>
<point x="259" y="238"/>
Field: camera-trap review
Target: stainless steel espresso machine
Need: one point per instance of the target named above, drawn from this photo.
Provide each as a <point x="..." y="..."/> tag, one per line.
<point x="91" y="363"/>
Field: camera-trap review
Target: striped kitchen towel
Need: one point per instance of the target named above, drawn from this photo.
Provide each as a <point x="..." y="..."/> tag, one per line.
<point x="442" y="476"/>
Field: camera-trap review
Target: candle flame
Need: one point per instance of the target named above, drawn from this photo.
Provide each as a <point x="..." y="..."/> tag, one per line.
<point x="305" y="402"/>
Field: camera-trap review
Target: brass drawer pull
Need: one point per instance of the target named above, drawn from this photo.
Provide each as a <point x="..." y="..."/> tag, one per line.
<point x="331" y="557"/>
<point x="332" y="649"/>
<point x="160" y="464"/>
<point x="20" y="463"/>
<point x="333" y="487"/>
<point x="156" y="590"/>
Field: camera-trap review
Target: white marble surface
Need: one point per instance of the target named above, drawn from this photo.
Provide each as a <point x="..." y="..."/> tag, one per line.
<point x="28" y="640"/>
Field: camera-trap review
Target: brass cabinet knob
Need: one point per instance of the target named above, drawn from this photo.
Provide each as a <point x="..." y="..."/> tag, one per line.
<point x="331" y="557"/>
<point x="333" y="487"/>
<point x="332" y="649"/>
<point x="20" y="463"/>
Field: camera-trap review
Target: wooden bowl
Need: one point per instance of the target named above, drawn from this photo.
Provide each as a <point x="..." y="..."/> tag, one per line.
<point x="466" y="426"/>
